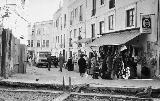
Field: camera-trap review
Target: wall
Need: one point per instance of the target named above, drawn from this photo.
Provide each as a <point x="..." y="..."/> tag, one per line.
<point x="11" y="60"/>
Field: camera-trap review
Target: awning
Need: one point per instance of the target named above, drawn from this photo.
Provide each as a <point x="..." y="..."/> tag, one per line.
<point x="117" y="38"/>
<point x="91" y="49"/>
<point x="84" y="40"/>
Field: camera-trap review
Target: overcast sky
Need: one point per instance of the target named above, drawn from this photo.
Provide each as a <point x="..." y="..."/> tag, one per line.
<point x="34" y="11"/>
<point x="40" y="10"/>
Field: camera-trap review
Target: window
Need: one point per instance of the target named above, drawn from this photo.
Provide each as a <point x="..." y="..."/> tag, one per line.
<point x="81" y="14"/>
<point x="93" y="30"/>
<point x="61" y="23"/>
<point x="80" y="29"/>
<point x="32" y="32"/>
<point x="57" y="22"/>
<point x="102" y="2"/>
<point x="64" y="40"/>
<point x="38" y="32"/>
<point x="130" y="17"/>
<point x="75" y="34"/>
<point x="94" y="8"/>
<point x="65" y="20"/>
<point x="47" y="43"/>
<point x="56" y="39"/>
<point x="71" y="17"/>
<point x="111" y="4"/>
<point x="101" y="27"/>
<point x="38" y="43"/>
<point x="28" y="43"/>
<point x="31" y="43"/>
<point x="61" y="39"/>
<point x="70" y="39"/>
<point x="110" y="18"/>
<point x="76" y="12"/>
<point x="43" y="45"/>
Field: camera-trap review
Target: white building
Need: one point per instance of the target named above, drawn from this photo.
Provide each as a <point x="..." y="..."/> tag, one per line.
<point x="40" y="37"/>
<point x="110" y="22"/>
<point x="120" y="22"/>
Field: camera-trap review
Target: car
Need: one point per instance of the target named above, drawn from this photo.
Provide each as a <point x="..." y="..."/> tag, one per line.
<point x="42" y="63"/>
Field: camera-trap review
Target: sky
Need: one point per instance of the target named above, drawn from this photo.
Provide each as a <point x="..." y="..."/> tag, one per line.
<point x="34" y="11"/>
<point x="41" y="10"/>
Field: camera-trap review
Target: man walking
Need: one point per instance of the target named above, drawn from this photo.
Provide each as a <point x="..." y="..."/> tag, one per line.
<point x="49" y="61"/>
<point x="82" y="65"/>
<point x="61" y="61"/>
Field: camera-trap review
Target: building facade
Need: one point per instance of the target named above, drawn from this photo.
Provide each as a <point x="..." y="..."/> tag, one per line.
<point x="109" y="17"/>
<point x="40" y="38"/>
<point x="134" y="22"/>
<point x="69" y="27"/>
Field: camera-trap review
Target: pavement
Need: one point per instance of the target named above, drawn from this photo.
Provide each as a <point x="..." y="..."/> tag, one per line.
<point x="43" y="76"/>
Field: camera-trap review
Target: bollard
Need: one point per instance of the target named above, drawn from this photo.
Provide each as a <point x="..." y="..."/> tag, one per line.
<point x="70" y="86"/>
<point x="63" y="84"/>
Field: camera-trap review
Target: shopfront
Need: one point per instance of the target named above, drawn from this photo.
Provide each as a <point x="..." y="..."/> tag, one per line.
<point x="124" y="56"/>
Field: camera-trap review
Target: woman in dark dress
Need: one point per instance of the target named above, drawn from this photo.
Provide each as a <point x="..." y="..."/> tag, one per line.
<point x="70" y="64"/>
<point x="82" y="65"/>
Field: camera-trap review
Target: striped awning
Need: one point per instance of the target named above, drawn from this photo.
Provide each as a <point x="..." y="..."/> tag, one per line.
<point x="115" y="38"/>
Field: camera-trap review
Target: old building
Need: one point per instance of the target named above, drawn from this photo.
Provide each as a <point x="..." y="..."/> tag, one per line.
<point x="111" y="22"/>
<point x="40" y="38"/>
<point x="132" y="23"/>
<point x="69" y="27"/>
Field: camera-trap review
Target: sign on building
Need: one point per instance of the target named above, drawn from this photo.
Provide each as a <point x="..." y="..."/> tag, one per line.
<point x="146" y="24"/>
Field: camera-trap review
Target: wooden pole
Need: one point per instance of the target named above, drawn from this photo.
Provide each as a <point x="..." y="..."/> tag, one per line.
<point x="63" y="84"/>
<point x="70" y="87"/>
<point x="4" y="50"/>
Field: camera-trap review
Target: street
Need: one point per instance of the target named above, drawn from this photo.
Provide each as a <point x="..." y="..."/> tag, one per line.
<point x="26" y="95"/>
<point x="43" y="76"/>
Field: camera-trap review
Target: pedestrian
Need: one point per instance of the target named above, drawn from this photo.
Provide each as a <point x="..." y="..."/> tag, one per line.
<point x="88" y="64"/>
<point x="49" y="60"/>
<point x="61" y="61"/>
<point x="55" y="62"/>
<point x="82" y="65"/>
<point x="70" y="64"/>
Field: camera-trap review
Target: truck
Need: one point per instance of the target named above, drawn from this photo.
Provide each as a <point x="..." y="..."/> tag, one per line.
<point x="42" y="59"/>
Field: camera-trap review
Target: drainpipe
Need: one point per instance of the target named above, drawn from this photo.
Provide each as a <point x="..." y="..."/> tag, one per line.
<point x="158" y="37"/>
<point x="136" y="17"/>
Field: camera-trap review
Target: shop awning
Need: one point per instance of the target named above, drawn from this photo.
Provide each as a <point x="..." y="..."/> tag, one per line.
<point x="84" y="40"/>
<point x="117" y="38"/>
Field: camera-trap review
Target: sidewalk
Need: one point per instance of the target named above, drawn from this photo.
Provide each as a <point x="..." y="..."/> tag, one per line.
<point x="55" y="77"/>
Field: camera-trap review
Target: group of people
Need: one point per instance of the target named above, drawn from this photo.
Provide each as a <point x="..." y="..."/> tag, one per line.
<point x="60" y="60"/>
<point x="88" y="66"/>
<point x="85" y="64"/>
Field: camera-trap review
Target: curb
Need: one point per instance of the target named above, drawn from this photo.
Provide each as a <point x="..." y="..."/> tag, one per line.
<point x="79" y="88"/>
